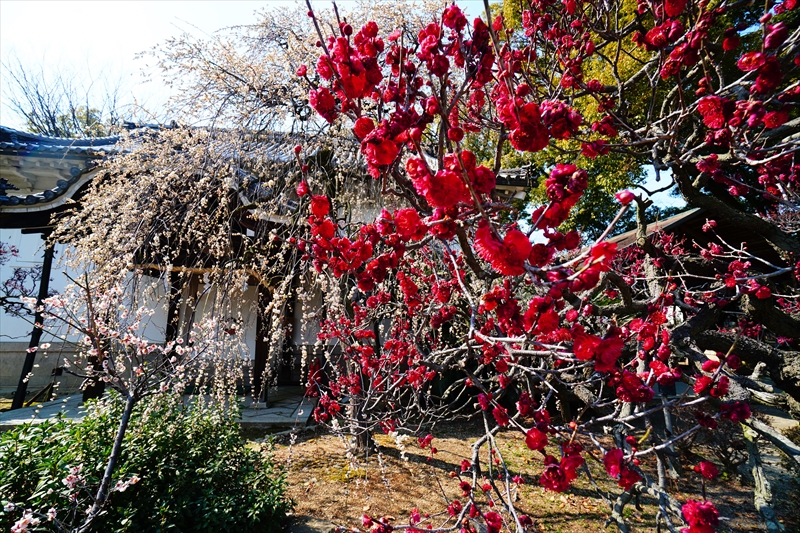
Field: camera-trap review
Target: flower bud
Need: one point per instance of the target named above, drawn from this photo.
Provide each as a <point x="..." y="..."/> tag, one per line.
<point x="455" y="134"/>
<point x="624" y="197"/>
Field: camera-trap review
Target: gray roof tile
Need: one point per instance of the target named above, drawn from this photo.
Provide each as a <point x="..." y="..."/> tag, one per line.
<point x="278" y="147"/>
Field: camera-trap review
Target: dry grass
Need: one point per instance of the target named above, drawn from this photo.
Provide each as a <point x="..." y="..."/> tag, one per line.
<point x="328" y="485"/>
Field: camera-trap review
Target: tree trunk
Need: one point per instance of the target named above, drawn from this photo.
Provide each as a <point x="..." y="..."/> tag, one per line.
<point x="102" y="492"/>
<point x="762" y="492"/>
<point x="783" y="365"/>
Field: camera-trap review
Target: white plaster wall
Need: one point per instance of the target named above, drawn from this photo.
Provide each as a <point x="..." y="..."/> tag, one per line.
<point x="154" y="295"/>
<point x="243" y="312"/>
<point x="15" y="332"/>
<point x="31" y="253"/>
<point x="306" y="328"/>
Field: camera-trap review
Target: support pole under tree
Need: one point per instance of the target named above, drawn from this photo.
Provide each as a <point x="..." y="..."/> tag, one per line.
<point x="36" y="334"/>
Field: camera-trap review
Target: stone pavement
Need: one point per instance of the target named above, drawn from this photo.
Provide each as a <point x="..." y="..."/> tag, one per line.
<point x="308" y="524"/>
<point x="69" y="405"/>
<point x="286" y="409"/>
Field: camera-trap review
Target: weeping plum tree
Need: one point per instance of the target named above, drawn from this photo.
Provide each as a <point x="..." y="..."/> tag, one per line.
<point x="437" y="298"/>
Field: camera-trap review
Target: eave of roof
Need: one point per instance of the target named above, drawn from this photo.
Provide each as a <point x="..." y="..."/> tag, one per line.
<point x="12" y="140"/>
<point x="629" y="237"/>
<point x="277" y="146"/>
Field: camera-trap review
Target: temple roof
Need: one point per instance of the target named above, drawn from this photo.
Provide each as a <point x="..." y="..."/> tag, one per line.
<point x="39" y="174"/>
<point x="19" y="141"/>
<point x="668" y="225"/>
<point x="38" y="170"/>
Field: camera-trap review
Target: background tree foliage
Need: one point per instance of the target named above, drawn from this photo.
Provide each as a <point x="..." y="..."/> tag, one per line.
<point x="607" y="175"/>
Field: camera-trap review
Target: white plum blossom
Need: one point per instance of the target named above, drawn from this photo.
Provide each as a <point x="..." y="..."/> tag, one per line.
<point x="27" y="520"/>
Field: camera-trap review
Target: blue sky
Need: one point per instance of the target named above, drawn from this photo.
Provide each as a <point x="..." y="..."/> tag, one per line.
<point x="102" y="38"/>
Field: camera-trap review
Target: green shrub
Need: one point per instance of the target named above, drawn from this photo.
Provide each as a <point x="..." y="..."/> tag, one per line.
<point x="193" y="469"/>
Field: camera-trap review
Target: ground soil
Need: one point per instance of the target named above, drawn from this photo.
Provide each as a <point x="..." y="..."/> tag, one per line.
<point x="327" y="484"/>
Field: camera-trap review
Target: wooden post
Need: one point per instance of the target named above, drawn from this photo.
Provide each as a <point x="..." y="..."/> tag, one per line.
<point x="259" y="386"/>
<point x="174" y="306"/>
<point x="36" y="334"/>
